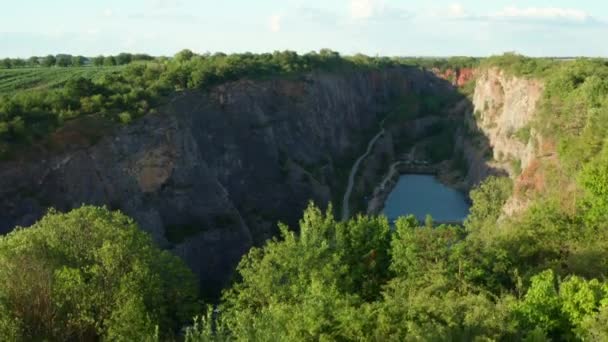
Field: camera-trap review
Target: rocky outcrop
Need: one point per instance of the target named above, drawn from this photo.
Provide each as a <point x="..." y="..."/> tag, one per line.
<point x="210" y="173"/>
<point x="458" y="77"/>
<point x="504" y="108"/>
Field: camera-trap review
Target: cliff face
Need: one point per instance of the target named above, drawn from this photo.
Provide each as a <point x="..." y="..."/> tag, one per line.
<point x="211" y="173"/>
<point x="504" y="107"/>
<point x="458" y="77"/>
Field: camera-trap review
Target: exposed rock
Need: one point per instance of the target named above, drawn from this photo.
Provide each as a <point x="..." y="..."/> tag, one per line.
<point x="504" y="107"/>
<point x="211" y="173"/>
<point x="458" y="77"/>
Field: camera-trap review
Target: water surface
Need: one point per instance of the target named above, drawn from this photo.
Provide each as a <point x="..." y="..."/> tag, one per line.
<point x="424" y="194"/>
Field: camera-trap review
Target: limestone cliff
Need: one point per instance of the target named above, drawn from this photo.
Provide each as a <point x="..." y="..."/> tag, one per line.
<point x="210" y="173"/>
<point x="457" y="76"/>
<point x="504" y="108"/>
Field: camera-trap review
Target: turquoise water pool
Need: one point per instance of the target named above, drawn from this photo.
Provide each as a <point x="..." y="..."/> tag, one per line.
<point x="424" y="194"/>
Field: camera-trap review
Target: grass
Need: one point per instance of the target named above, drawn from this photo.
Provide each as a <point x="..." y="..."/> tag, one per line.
<point x="15" y="80"/>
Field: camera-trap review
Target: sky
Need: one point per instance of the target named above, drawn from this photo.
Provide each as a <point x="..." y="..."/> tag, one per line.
<point x="372" y="27"/>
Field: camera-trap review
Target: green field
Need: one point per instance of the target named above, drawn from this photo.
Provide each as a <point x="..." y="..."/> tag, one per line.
<point x="15" y="80"/>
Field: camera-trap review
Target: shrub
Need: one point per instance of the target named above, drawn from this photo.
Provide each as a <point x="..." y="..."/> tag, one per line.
<point x="523" y="134"/>
<point x="125" y="117"/>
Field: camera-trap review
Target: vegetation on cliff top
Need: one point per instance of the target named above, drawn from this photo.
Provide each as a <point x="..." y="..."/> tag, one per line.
<point x="35" y="101"/>
<point x="571" y="123"/>
<point x="37" y="96"/>
<point x="519" y="65"/>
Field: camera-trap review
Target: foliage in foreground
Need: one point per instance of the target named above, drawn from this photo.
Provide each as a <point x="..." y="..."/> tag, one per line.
<point x="540" y="278"/>
<point x="93" y="274"/>
<point x="90" y="274"/>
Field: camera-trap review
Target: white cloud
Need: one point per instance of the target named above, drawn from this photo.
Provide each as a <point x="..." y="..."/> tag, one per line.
<point x="539" y="15"/>
<point x="375" y="10"/>
<point x="275" y="22"/>
<point x="364" y="9"/>
<point x="547" y="13"/>
<point x="107" y="12"/>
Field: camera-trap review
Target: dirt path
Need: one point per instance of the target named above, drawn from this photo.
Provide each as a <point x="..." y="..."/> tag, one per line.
<point x="353" y="173"/>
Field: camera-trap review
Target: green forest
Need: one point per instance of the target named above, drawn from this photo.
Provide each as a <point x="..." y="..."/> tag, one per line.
<point x="92" y="274"/>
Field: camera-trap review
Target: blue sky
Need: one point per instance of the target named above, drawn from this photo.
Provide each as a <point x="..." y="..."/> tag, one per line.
<point x="384" y="27"/>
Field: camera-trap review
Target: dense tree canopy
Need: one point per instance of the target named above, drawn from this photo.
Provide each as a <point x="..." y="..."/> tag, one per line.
<point x="88" y="274"/>
<point x="363" y="280"/>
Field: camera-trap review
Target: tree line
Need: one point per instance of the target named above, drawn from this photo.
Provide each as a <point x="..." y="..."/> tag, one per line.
<point x="67" y="60"/>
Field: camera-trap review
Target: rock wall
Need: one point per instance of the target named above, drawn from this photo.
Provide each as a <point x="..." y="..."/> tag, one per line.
<point x="507" y="105"/>
<point x="504" y="107"/>
<point x="458" y="77"/>
<point x="211" y="173"/>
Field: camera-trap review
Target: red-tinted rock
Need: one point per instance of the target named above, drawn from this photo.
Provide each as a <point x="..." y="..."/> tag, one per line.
<point x="458" y="77"/>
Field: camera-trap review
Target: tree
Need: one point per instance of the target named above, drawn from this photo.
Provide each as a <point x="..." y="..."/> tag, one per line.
<point x="417" y="251"/>
<point x="33" y="61"/>
<point x="18" y="62"/>
<point x="141" y="57"/>
<point x="123" y="58"/>
<point x="98" y="61"/>
<point x="109" y="61"/>
<point x="488" y="199"/>
<point x="310" y="286"/>
<point x="78" y="61"/>
<point x="428" y="221"/>
<point x="63" y="60"/>
<point x="594" y="180"/>
<point x="6" y="63"/>
<point x="541" y="307"/>
<point x="49" y="61"/>
<point x="88" y="274"/>
<point x="183" y="56"/>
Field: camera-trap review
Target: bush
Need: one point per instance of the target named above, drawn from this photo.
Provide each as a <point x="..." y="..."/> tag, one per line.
<point x="125" y="117"/>
<point x="523" y="134"/>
